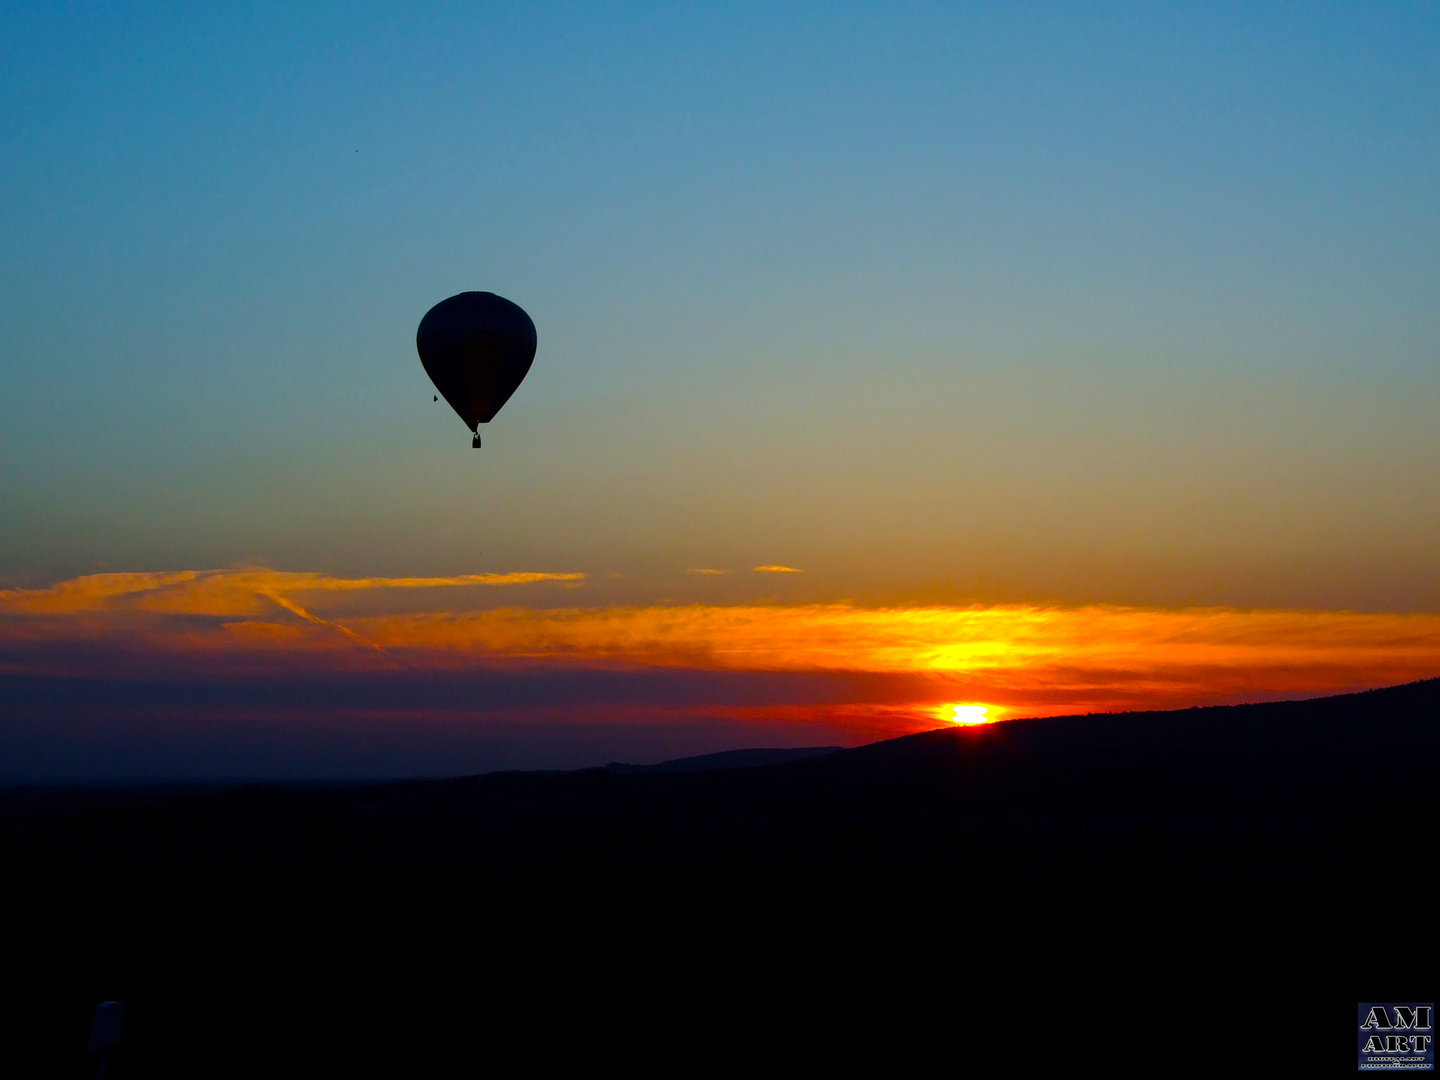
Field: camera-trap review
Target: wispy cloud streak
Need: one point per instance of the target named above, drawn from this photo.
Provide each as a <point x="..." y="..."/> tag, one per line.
<point x="1020" y="658"/>
<point x="225" y="592"/>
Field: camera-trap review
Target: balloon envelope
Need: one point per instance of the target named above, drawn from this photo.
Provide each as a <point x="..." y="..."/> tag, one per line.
<point x="476" y="348"/>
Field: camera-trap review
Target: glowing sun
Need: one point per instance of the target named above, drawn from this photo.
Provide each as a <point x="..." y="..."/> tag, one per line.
<point x="970" y="714"/>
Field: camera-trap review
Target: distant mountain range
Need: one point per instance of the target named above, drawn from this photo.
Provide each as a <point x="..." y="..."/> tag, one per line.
<point x="727" y="759"/>
<point x="1193" y="887"/>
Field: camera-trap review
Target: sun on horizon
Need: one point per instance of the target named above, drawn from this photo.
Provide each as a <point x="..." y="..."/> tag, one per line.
<point x="969" y="714"/>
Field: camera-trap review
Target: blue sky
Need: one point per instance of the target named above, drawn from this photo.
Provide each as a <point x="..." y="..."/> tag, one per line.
<point x="1107" y="302"/>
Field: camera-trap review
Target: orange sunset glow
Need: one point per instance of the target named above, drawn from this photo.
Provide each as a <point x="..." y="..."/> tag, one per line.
<point x="1016" y="659"/>
<point x="970" y="714"/>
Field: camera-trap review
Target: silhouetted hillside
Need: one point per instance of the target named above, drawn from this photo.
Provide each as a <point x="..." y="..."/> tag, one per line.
<point x="727" y="759"/>
<point x="1189" y="863"/>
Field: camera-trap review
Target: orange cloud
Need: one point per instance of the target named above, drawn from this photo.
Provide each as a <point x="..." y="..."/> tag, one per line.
<point x="1055" y="656"/>
<point x="244" y="591"/>
<point x="777" y="569"/>
<point x="1020" y="659"/>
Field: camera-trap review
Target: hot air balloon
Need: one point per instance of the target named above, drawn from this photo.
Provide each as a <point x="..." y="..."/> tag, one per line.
<point x="476" y="348"/>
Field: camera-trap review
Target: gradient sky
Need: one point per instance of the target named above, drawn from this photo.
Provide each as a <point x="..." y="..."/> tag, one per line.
<point x="1070" y="308"/>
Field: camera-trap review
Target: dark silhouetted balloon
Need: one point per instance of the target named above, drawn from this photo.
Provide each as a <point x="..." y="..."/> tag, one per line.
<point x="476" y="348"/>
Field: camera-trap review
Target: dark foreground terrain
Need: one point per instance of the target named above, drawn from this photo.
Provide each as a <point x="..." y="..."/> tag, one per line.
<point x="1155" y="894"/>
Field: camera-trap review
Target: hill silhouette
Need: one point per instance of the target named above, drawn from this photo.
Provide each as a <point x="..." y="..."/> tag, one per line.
<point x="1166" y="890"/>
<point x="727" y="759"/>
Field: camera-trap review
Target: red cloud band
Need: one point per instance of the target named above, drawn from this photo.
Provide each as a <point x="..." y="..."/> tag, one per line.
<point x="1019" y="658"/>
